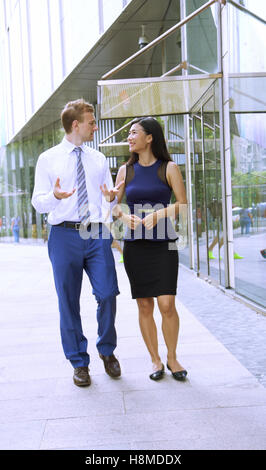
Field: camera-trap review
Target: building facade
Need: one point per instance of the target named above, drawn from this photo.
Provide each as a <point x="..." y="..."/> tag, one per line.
<point x="201" y="72"/>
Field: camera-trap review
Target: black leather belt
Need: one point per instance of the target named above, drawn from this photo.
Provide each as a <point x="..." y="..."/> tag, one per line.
<point x="73" y="225"/>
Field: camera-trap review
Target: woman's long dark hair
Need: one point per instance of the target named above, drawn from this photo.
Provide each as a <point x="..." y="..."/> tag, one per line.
<point x="158" y="146"/>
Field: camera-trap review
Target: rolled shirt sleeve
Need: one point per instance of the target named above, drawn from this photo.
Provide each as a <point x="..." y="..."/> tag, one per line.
<point x="43" y="198"/>
<point x="60" y="161"/>
<point x="107" y="206"/>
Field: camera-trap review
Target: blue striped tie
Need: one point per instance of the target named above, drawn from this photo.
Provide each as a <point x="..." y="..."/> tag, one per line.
<point x="83" y="202"/>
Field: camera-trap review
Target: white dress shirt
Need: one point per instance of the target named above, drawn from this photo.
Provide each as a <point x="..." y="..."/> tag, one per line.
<point x="61" y="161"/>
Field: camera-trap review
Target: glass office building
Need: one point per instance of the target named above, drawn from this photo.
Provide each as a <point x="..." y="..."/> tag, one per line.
<point x="198" y="66"/>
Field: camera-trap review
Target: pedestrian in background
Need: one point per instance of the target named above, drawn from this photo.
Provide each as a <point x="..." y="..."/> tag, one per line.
<point x="245" y="221"/>
<point x="15" y="227"/>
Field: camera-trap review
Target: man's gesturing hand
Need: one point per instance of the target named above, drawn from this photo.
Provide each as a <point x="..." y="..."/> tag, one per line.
<point x="59" y="193"/>
<point x="110" y="195"/>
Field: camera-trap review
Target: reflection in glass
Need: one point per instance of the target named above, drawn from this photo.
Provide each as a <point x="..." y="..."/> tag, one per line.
<point x="245" y="31"/>
<point x="201" y="38"/>
<point x="248" y="94"/>
<point x="248" y="164"/>
<point x="41" y="69"/>
<point x="153" y="97"/>
<point x="17" y="171"/>
<point x="213" y="192"/>
<point x="206" y="188"/>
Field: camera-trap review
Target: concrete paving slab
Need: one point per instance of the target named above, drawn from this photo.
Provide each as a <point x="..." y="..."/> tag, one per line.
<point x="221" y="405"/>
<point x="23" y="435"/>
<point x="53" y="407"/>
<point x="121" y="429"/>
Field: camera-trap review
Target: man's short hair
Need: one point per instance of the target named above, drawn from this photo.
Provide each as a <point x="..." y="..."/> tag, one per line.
<point x="74" y="110"/>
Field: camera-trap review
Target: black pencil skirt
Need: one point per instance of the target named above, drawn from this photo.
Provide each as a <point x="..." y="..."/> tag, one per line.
<point x="151" y="267"/>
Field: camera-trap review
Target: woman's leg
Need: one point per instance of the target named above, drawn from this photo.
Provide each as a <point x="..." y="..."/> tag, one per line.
<point x="170" y="328"/>
<point x="148" y="329"/>
<point x="214" y="242"/>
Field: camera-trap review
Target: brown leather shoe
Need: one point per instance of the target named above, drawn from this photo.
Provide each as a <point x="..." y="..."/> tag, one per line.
<point x="81" y="377"/>
<point x="111" y="365"/>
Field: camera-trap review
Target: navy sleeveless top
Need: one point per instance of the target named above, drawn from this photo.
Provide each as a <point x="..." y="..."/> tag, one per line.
<point x="146" y="193"/>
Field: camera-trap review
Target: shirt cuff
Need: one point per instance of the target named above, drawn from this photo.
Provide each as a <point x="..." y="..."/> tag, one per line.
<point x="51" y="201"/>
<point x="113" y="203"/>
<point x="54" y="199"/>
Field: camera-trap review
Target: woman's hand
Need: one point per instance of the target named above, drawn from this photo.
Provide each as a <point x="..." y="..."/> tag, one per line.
<point x="110" y="195"/>
<point x="123" y="213"/>
<point x="131" y="220"/>
<point x="152" y="219"/>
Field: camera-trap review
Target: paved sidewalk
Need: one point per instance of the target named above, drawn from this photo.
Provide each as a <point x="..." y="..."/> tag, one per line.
<point x="221" y="405"/>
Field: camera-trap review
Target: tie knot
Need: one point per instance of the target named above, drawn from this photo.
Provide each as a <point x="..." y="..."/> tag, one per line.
<point x="78" y="151"/>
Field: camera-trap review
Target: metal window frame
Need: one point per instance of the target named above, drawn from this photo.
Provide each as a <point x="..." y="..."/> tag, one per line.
<point x="245" y="10"/>
<point x="224" y="113"/>
<point x="160" y="38"/>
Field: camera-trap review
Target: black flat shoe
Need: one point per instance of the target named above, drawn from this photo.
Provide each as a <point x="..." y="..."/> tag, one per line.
<point x="158" y="375"/>
<point x="180" y="375"/>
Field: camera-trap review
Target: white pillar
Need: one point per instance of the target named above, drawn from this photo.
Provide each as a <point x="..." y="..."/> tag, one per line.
<point x="226" y="149"/>
<point x="187" y="144"/>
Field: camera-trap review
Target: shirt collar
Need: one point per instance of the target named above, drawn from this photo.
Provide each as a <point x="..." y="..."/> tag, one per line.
<point x="69" y="146"/>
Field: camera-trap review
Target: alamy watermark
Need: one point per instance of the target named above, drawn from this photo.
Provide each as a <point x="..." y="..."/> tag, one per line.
<point x="171" y="228"/>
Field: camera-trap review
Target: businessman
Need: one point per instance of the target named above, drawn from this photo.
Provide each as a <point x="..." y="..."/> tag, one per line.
<point x="69" y="182"/>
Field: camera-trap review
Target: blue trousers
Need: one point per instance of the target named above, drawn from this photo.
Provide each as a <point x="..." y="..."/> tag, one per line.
<point x="70" y="255"/>
<point x="16" y="234"/>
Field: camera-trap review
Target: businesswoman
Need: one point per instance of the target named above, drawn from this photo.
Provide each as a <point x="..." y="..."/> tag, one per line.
<point x="150" y="177"/>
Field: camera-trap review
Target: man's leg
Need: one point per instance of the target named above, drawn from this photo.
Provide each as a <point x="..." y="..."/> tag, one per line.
<point x="66" y="254"/>
<point x="100" y="267"/>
